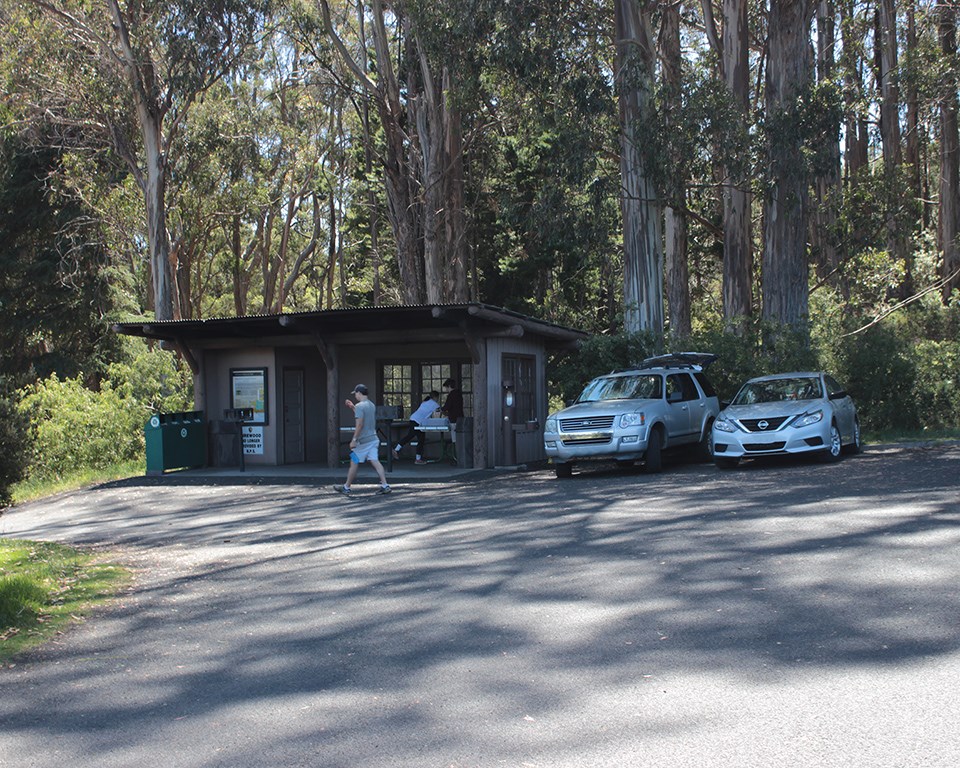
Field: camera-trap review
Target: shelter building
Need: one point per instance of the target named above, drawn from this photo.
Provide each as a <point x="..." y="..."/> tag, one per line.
<point x="296" y="370"/>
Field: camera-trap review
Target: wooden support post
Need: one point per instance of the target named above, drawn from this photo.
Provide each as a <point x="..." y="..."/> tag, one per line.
<point x="331" y="359"/>
<point x="478" y="353"/>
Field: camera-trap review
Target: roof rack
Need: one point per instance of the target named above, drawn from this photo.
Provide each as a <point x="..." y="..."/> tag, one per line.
<point x="680" y="360"/>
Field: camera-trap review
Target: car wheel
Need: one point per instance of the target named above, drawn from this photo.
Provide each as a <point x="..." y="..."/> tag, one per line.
<point x="563" y="470"/>
<point x="654" y="456"/>
<point x="833" y="452"/>
<point x="855" y="446"/>
<point x="725" y="463"/>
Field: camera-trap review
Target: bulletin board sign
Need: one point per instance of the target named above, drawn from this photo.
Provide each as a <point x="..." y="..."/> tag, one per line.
<point x="248" y="389"/>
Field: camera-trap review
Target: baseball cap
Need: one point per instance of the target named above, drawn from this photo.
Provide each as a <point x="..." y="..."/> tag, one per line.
<point x="361" y="388"/>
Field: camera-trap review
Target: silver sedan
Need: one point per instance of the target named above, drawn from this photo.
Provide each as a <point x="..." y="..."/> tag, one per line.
<point x="796" y="412"/>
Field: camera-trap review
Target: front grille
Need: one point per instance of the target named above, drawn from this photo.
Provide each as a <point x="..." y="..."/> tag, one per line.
<point x="592" y="440"/>
<point x="770" y="424"/>
<point x="763" y="446"/>
<point x="586" y="424"/>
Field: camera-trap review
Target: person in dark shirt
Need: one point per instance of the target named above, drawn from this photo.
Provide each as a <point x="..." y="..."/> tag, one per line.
<point x="453" y="405"/>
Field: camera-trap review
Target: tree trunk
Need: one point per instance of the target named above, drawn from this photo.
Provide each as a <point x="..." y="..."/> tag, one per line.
<point x="897" y="243"/>
<point x="154" y="194"/>
<point x="675" y="215"/>
<point x="855" y="129"/>
<point x="429" y="120"/>
<point x="457" y="261"/>
<point x="737" y="239"/>
<point x="400" y="161"/>
<point x="785" y="280"/>
<point x="949" y="155"/>
<point x="152" y="178"/>
<point x="827" y="185"/>
<point x="914" y="128"/>
<point x="642" y="256"/>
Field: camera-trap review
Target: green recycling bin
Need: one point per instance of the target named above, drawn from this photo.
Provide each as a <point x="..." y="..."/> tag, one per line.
<point x="175" y="440"/>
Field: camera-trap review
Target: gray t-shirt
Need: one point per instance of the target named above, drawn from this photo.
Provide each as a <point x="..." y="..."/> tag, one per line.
<point x="368" y="412"/>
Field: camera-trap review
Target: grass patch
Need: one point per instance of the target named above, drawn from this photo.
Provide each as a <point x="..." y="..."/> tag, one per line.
<point x="911" y="436"/>
<point x="45" y="587"/>
<point x="37" y="488"/>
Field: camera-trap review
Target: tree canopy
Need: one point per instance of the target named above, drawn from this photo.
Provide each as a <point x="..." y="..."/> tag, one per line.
<point x="646" y="164"/>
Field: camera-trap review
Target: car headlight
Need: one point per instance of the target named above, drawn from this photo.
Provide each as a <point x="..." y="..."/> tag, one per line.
<point x="632" y="420"/>
<point x="806" y="419"/>
<point x="724" y="425"/>
<point x="550" y="425"/>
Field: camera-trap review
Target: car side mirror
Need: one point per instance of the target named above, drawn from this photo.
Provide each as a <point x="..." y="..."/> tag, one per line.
<point x="675" y="397"/>
<point x="838" y="395"/>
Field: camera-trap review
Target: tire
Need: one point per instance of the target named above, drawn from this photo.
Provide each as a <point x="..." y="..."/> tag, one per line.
<point x="705" y="446"/>
<point x="855" y="447"/>
<point x="563" y="470"/>
<point x="832" y="453"/>
<point x="654" y="456"/>
<point x="725" y="463"/>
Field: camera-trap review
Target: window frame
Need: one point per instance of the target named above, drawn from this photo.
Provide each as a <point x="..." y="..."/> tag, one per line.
<point x="459" y="368"/>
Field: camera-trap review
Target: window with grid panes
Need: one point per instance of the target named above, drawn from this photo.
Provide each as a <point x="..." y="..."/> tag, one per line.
<point x="396" y="385"/>
<point x="522" y="371"/>
<point x="400" y="388"/>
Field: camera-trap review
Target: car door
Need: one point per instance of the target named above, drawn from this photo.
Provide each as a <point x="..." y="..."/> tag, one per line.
<point x="843" y="408"/>
<point x="682" y="395"/>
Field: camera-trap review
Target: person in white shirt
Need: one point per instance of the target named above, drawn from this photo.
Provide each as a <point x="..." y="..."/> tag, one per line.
<point x="417" y="418"/>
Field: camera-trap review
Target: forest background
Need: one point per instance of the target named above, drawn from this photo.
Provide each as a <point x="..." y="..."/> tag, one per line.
<point x="773" y="181"/>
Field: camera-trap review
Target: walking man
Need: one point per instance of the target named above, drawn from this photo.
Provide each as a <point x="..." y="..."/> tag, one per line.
<point x="364" y="444"/>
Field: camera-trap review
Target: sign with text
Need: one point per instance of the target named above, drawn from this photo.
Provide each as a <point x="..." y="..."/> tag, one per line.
<point x="248" y="389"/>
<point x="253" y="440"/>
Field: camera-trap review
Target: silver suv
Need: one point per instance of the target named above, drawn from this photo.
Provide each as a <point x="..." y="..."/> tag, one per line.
<point x="625" y="416"/>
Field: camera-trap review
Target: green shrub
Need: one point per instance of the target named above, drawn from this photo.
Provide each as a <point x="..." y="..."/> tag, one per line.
<point x="877" y="367"/>
<point x="15" y="448"/>
<point x="937" y="388"/>
<point x="569" y="372"/>
<point x="151" y="377"/>
<point x="74" y="427"/>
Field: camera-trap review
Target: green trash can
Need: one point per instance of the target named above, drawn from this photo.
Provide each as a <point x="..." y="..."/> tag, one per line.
<point x="175" y="440"/>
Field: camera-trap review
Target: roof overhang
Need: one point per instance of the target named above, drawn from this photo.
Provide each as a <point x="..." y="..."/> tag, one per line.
<point x="357" y="326"/>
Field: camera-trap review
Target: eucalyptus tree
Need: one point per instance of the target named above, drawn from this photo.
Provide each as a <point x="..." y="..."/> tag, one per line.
<point x="155" y="59"/>
<point x="949" y="150"/>
<point x="788" y="78"/>
<point x="412" y="81"/>
<point x="639" y="199"/>
<point x="888" y="77"/>
<point x="542" y="166"/>
<point x="827" y="183"/>
<point x="675" y="213"/>
<point x="730" y="43"/>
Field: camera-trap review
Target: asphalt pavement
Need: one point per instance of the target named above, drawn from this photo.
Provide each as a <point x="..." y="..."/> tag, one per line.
<point x="784" y="614"/>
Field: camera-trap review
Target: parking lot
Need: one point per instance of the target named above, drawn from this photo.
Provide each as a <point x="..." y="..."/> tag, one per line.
<point x="788" y="613"/>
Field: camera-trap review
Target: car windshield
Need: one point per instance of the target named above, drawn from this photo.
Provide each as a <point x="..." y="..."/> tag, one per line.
<point x="778" y="390"/>
<point x="643" y="387"/>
